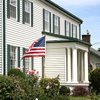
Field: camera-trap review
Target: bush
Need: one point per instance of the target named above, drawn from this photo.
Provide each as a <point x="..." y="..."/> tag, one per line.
<point x="80" y="91"/>
<point x="64" y="90"/>
<point x="11" y="88"/>
<point x="95" y="80"/>
<point x="50" y="86"/>
<point x="16" y="72"/>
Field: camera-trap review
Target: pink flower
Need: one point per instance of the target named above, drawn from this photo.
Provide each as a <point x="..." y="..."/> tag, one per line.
<point x="18" y="68"/>
<point x="32" y="72"/>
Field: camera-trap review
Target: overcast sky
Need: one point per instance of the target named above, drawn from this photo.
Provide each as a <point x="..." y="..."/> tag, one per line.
<point x="89" y="12"/>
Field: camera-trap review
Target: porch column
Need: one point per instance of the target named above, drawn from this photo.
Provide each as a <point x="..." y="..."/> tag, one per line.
<point x="69" y="64"/>
<point x="86" y="66"/>
<point x="74" y="65"/>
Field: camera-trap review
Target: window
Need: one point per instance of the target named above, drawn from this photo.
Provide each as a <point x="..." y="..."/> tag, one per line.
<point x="98" y="65"/>
<point x="67" y="28"/>
<point x="27" y="16"/>
<point x="12" y="56"/>
<point x="27" y="11"/>
<point x="74" y="30"/>
<point x="56" y="24"/>
<point x="13" y="4"/>
<point x="47" y="21"/>
<point x="13" y="9"/>
<point x="27" y="62"/>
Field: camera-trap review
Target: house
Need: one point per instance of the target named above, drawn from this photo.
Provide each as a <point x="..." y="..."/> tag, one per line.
<point x="94" y="55"/>
<point x="23" y="21"/>
<point x="95" y="58"/>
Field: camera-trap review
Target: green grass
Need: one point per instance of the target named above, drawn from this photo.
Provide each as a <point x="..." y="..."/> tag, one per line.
<point x="85" y="98"/>
<point x="79" y="98"/>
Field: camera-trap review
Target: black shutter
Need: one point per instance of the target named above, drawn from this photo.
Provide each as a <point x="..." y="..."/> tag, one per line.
<point x="8" y="8"/>
<point x="70" y="32"/>
<point x="59" y="25"/>
<point x="23" y="10"/>
<point x="32" y="63"/>
<point x="18" y="10"/>
<point x="44" y="20"/>
<point x="31" y="14"/>
<point x="50" y="22"/>
<point x="65" y="28"/>
<point x="8" y="58"/>
<point x="18" y="56"/>
<point x="53" y="23"/>
<point x="23" y="60"/>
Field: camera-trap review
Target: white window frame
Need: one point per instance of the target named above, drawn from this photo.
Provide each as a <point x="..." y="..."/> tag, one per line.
<point x="13" y="5"/>
<point x="56" y="25"/>
<point x="47" y="21"/>
<point x="74" y="31"/>
<point x="27" y="11"/>
<point x="14" y="56"/>
<point x="67" y="28"/>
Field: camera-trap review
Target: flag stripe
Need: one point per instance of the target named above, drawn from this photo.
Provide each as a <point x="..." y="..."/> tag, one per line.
<point x="37" y="49"/>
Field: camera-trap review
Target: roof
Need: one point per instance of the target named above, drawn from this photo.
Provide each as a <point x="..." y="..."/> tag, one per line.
<point x="67" y="39"/>
<point x="95" y="52"/>
<point x="63" y="10"/>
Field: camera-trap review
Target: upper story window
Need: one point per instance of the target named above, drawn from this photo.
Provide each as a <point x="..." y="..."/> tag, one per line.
<point x="74" y="31"/>
<point x="27" y="11"/>
<point x="46" y="21"/>
<point x="56" y="24"/>
<point x="13" y="4"/>
<point x="27" y="16"/>
<point x="13" y="9"/>
<point x="67" y="28"/>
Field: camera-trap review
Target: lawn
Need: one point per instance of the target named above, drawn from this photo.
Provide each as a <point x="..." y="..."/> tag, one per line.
<point x="85" y="98"/>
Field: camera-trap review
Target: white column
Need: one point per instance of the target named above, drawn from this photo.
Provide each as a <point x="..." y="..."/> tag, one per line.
<point x="74" y="65"/>
<point x="69" y="64"/>
<point x="86" y="66"/>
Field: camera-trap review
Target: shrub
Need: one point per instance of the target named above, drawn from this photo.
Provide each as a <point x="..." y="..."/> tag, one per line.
<point x="95" y="80"/>
<point x="80" y="91"/>
<point x="10" y="88"/>
<point x="16" y="72"/>
<point x="50" y="86"/>
<point x="64" y="90"/>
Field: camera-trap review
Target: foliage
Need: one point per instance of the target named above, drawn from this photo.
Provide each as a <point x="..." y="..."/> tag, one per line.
<point x="10" y="88"/>
<point x="50" y="86"/>
<point x="16" y="72"/>
<point x="95" y="80"/>
<point x="64" y="90"/>
<point x="80" y="91"/>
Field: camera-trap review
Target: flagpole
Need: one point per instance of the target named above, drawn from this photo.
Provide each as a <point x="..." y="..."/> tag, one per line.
<point x="43" y="60"/>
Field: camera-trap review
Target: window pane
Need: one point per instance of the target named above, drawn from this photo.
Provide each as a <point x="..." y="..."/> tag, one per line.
<point x="74" y="31"/>
<point x="27" y="11"/>
<point x="47" y="21"/>
<point x="56" y="25"/>
<point x="12" y="57"/>
<point x="67" y="28"/>
<point x="13" y="2"/>
<point x="13" y="8"/>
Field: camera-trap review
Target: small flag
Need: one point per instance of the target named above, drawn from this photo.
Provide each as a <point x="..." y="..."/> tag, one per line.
<point x="37" y="49"/>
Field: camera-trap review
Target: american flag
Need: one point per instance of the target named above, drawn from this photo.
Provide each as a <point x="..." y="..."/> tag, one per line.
<point x="37" y="49"/>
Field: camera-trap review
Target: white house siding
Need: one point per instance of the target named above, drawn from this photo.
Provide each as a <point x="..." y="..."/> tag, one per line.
<point x="55" y="62"/>
<point x="22" y="35"/>
<point x="1" y="36"/>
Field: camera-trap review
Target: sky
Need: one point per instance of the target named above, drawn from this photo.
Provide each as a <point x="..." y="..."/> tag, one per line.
<point x="89" y="12"/>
